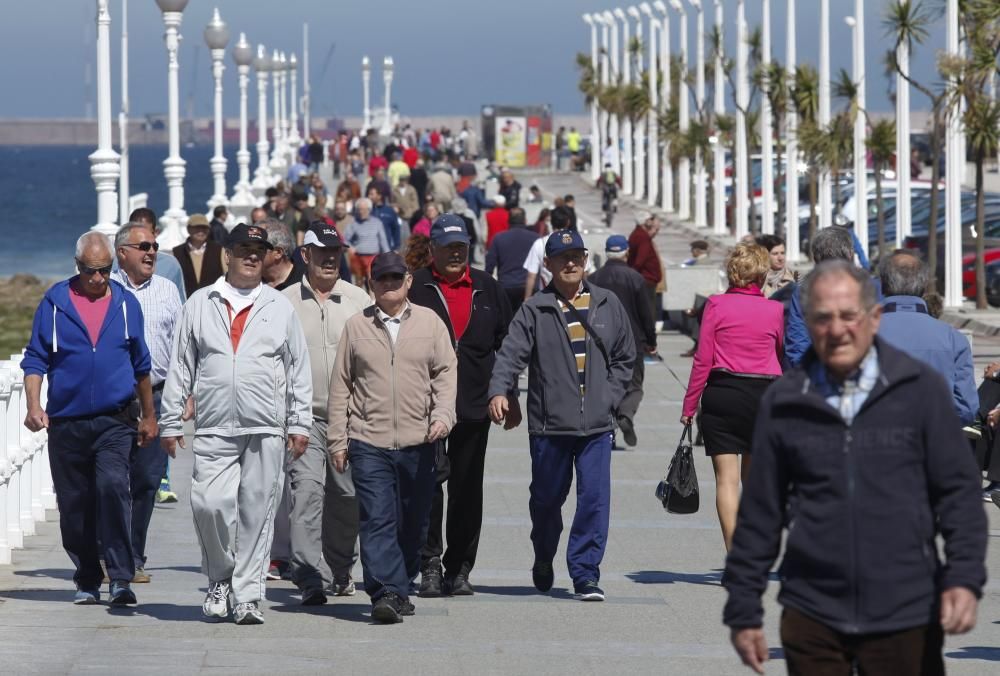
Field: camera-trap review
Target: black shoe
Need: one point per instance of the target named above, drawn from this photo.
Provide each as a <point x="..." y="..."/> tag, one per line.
<point x="628" y="430"/>
<point x="543" y="576"/>
<point x="121" y="594"/>
<point x="588" y="591"/>
<point x="431" y="578"/>
<point x="313" y="597"/>
<point x="389" y="608"/>
<point x="407" y="609"/>
<point x="459" y="586"/>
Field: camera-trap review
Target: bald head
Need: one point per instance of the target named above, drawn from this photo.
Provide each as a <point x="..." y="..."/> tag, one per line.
<point x="95" y="247"/>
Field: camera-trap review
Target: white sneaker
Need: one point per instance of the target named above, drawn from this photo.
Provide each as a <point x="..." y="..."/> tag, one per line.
<point x="217" y="600"/>
<point x="248" y="613"/>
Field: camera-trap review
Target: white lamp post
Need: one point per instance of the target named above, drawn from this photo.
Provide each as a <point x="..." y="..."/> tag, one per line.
<point x="387" y="67"/>
<point x="904" y="214"/>
<point x="766" y="141"/>
<point x="684" y="96"/>
<point x="217" y="37"/>
<point x="294" y="139"/>
<point x="366" y="76"/>
<point x="262" y="177"/>
<point x="718" y="151"/>
<point x="791" y="148"/>
<point x="123" y="181"/>
<point x="740" y="163"/>
<point x="954" y="163"/>
<point x="595" y="127"/>
<point x="104" y="167"/>
<point x="857" y="23"/>
<point x="825" y="185"/>
<point x="243" y="201"/>
<point x="285" y="127"/>
<point x="652" y="121"/>
<point x="306" y="87"/>
<point x="606" y="136"/>
<point x="278" y="154"/>
<point x="614" y="73"/>
<point x="175" y="218"/>
<point x="638" y="136"/>
<point x="667" y="189"/>
<point x="700" y="189"/>
<point x="626" y="129"/>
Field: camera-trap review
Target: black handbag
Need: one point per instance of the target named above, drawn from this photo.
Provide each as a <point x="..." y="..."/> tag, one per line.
<point x="678" y="492"/>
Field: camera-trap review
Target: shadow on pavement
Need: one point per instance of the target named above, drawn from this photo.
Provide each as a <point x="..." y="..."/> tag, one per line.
<point x="54" y="573"/>
<point x="666" y="577"/>
<point x="46" y="595"/>
<point x="166" y="612"/>
<point x="976" y="652"/>
<point x="522" y="591"/>
<point x="352" y="611"/>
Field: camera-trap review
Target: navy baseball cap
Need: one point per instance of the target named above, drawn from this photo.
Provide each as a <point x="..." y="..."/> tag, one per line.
<point x="616" y="244"/>
<point x="247" y="234"/>
<point x="388" y="263"/>
<point x="562" y="241"/>
<point x="448" y="229"/>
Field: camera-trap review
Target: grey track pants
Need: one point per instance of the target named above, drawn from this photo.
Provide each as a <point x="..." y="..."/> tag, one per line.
<point x="324" y="515"/>
<point x="234" y="492"/>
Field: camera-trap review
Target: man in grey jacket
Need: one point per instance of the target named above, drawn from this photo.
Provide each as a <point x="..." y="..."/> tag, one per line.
<point x="240" y="351"/>
<point x="584" y="336"/>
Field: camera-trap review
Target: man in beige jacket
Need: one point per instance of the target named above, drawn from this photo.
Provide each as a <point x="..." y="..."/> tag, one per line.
<point x="323" y="510"/>
<point x="392" y="400"/>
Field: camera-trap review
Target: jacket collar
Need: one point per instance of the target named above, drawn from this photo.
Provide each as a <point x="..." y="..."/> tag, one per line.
<point x="307" y="292"/>
<point x="905" y="304"/>
<point x="547" y="297"/>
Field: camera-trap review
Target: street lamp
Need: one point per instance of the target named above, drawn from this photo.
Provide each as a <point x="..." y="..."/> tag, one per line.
<point x="638" y="141"/>
<point x="718" y="151"/>
<point x="954" y="164"/>
<point x="278" y="154"/>
<point x="262" y="177"/>
<point x="104" y="162"/>
<point x="903" y="191"/>
<point x="825" y="185"/>
<point x="792" y="244"/>
<point x="175" y="217"/>
<point x="294" y="140"/>
<point x="387" y="67"/>
<point x="366" y="76"/>
<point x="626" y="129"/>
<point x="123" y="180"/>
<point x="595" y="128"/>
<point x="243" y="201"/>
<point x="700" y="194"/>
<point x="653" y="156"/>
<point x="741" y="164"/>
<point x="857" y="24"/>
<point x="217" y="37"/>
<point x="667" y="189"/>
<point x="766" y="141"/>
<point x="684" y="164"/>
<point x="283" y="74"/>
<point x="614" y="73"/>
<point x="606" y="135"/>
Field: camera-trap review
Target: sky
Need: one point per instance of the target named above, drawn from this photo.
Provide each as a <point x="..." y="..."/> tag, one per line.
<point x="451" y="56"/>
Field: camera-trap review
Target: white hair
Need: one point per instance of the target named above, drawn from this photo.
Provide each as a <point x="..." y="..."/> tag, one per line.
<point x="616" y="255"/>
<point x="93" y="239"/>
<point x="363" y="200"/>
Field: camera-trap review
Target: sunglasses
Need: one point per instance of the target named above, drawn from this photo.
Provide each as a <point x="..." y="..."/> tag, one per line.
<point x="144" y="246"/>
<point x="247" y="250"/>
<point x="87" y="270"/>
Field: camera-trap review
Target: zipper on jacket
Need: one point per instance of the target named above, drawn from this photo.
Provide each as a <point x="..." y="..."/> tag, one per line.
<point x="392" y="371"/>
<point x="852" y="523"/>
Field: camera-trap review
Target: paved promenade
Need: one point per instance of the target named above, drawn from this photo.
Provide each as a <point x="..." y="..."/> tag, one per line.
<point x="661" y="575"/>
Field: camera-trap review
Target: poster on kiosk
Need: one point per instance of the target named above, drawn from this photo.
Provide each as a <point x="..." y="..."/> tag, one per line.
<point x="518" y="136"/>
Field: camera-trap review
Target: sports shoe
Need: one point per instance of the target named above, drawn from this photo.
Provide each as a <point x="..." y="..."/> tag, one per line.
<point x="164" y="495"/>
<point x="996" y="498"/>
<point x="542" y="575"/>
<point x="313" y="597"/>
<point x="992" y="488"/>
<point x="248" y="613"/>
<point x="217" y="600"/>
<point x="628" y="430"/>
<point x="141" y="576"/>
<point x="121" y="594"/>
<point x="275" y="571"/>
<point x="458" y="586"/>
<point x="87" y="597"/>
<point x="430" y="578"/>
<point x="588" y="591"/>
<point x="390" y="608"/>
<point x="343" y="585"/>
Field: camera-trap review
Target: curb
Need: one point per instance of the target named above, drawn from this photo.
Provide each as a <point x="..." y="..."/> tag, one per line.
<point x="977" y="326"/>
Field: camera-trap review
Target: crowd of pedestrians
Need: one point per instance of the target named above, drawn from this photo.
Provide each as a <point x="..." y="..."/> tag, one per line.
<point x="340" y="362"/>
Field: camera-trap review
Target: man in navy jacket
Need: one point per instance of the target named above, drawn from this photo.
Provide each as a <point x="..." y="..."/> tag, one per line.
<point x="87" y="339"/>
<point x="861" y="580"/>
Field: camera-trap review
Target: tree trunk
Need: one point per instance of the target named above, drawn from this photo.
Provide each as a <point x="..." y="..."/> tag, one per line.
<point x="813" y="189"/>
<point x="932" y="217"/>
<point x="749" y="169"/>
<point x="881" y="211"/>
<point x="980" y="234"/>
<point x="779" y="224"/>
<point x="836" y="191"/>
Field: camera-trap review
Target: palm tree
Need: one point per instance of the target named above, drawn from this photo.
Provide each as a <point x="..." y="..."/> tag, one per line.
<point x="755" y="50"/>
<point x="838" y="149"/>
<point x="589" y="84"/>
<point x="982" y="128"/>
<point x="773" y="82"/>
<point x="812" y="145"/>
<point x="805" y="98"/>
<point x="882" y="145"/>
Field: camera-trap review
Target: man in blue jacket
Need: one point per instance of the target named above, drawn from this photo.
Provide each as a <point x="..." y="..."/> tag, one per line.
<point x="584" y="337"/>
<point x="907" y="325"/>
<point x="861" y="580"/>
<point x="87" y="340"/>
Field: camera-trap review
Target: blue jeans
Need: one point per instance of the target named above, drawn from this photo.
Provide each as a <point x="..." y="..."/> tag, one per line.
<point x="552" y="462"/>
<point x="394" y="490"/>
<point x="149" y="466"/>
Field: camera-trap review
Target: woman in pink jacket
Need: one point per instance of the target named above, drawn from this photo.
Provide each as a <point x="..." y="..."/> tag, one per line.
<point x="739" y="352"/>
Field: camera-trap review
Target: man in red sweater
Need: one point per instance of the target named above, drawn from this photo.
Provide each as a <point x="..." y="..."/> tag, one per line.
<point x="497" y="219"/>
<point x="643" y="256"/>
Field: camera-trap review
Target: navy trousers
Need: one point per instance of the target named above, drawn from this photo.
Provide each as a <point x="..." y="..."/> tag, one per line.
<point x="552" y="461"/>
<point x="89" y="459"/>
<point x="394" y="490"/>
<point x="148" y="467"/>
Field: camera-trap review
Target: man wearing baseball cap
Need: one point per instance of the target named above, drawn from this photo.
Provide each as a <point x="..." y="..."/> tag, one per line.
<point x="392" y="400"/>
<point x="474" y="307"/>
<point x="323" y="510"/>
<point x="583" y="336"/>
<point x="240" y="352"/>
<point x="628" y="285"/>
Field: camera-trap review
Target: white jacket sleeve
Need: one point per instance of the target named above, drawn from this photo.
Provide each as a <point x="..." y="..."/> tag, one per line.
<point x="298" y="376"/>
<point x="181" y="374"/>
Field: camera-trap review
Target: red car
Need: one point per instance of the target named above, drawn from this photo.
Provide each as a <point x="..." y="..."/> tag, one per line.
<point x="969" y="270"/>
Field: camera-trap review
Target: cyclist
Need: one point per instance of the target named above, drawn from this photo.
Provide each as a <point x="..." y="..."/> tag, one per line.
<point x="609" y="182"/>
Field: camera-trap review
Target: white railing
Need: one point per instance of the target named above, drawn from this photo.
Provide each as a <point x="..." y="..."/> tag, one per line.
<point x="25" y="477"/>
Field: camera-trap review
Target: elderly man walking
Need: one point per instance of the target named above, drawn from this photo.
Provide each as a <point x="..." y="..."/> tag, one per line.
<point x="582" y="335"/>
<point x="136" y="249"/>
<point x="239" y="349"/>
<point x="87" y="340"/>
<point x="324" y="511"/>
<point x="474" y="308"/>
<point x="365" y="235"/>
<point x="862" y="584"/>
<point x="392" y="401"/>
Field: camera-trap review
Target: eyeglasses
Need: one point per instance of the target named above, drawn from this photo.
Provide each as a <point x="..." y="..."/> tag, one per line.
<point x="849" y="318"/>
<point x="87" y="270"/>
<point x="144" y="246"/>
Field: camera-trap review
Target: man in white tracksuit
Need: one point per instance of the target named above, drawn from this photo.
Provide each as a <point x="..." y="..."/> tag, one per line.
<point x="240" y="351"/>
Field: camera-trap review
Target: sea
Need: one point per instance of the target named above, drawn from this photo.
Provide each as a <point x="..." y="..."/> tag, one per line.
<point x="51" y="199"/>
